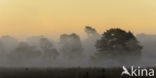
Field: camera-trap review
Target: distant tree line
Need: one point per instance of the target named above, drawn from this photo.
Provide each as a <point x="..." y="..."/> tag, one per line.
<point x="112" y="44"/>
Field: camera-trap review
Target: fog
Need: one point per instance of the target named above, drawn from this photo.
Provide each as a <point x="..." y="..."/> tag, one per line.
<point x="70" y="51"/>
<point x="149" y="48"/>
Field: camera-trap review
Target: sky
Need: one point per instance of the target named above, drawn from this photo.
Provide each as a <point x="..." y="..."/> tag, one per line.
<point x="23" y="18"/>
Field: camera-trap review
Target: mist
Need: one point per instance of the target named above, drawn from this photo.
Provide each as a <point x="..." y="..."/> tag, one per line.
<point x="69" y="51"/>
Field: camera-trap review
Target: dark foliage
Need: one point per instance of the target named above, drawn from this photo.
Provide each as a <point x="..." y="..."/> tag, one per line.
<point x="117" y="42"/>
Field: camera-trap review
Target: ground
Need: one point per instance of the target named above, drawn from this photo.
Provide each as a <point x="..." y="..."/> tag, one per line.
<point x="63" y="73"/>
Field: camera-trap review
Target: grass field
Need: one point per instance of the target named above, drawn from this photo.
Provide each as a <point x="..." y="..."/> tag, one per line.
<point x="63" y="73"/>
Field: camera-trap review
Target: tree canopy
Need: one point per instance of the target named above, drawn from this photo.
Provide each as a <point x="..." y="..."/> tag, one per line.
<point x="116" y="42"/>
<point x="71" y="45"/>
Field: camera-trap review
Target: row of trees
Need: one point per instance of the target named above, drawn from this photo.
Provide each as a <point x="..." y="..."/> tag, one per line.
<point x="113" y="43"/>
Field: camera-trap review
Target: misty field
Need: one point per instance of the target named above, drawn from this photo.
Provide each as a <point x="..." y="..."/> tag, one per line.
<point x="63" y="73"/>
<point x="115" y="47"/>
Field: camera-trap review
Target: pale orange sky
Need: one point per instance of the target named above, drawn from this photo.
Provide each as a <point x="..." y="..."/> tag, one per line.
<point x="22" y="18"/>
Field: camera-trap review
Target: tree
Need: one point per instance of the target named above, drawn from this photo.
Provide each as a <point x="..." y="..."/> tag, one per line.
<point x="116" y="43"/>
<point x="48" y="49"/>
<point x="9" y="43"/>
<point x="34" y="40"/>
<point x="91" y="32"/>
<point x="89" y="43"/>
<point x="2" y="50"/>
<point x="24" y="52"/>
<point x="71" y="45"/>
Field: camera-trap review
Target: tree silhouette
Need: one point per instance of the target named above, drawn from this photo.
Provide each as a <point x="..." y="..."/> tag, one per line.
<point x="116" y="42"/>
<point x="89" y="42"/>
<point x="48" y="49"/>
<point x="2" y="50"/>
<point x="9" y="43"/>
<point x="91" y="32"/>
<point x="25" y="52"/>
<point x="71" y="45"/>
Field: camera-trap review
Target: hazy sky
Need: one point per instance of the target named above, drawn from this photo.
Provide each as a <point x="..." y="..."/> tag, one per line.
<point x="22" y="18"/>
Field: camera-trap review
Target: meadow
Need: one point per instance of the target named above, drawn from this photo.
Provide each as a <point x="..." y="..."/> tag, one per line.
<point x="63" y="73"/>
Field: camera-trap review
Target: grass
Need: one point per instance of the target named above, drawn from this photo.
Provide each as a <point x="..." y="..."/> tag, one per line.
<point x="63" y="73"/>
